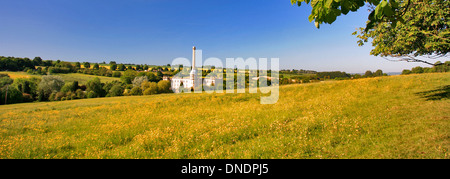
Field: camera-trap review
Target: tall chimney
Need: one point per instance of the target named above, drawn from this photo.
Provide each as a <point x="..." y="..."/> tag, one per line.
<point x="193" y="58"/>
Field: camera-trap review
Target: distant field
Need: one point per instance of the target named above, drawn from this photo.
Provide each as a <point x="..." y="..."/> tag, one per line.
<point x="386" y="117"/>
<point x="285" y="75"/>
<point x="81" y="78"/>
<point x="15" y="75"/>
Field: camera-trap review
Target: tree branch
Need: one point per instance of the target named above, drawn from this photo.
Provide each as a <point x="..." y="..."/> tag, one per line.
<point x="409" y="58"/>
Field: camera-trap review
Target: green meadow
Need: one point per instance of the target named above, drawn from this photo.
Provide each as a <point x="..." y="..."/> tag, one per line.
<point x="70" y="77"/>
<point x="404" y="116"/>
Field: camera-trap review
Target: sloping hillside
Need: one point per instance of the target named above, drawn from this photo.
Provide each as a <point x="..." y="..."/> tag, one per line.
<point x="388" y="117"/>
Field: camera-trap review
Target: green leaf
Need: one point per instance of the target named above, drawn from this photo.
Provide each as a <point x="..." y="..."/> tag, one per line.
<point x="311" y="17"/>
<point x="394" y="4"/>
<point x="328" y="3"/>
<point x="388" y="11"/>
<point x="379" y="10"/>
<point x="369" y="26"/>
<point x="374" y="2"/>
<point x="345" y="6"/>
<point x="360" y="3"/>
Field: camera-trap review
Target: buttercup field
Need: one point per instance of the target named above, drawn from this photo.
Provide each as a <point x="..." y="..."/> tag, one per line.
<point x="339" y="119"/>
<point x="201" y="79"/>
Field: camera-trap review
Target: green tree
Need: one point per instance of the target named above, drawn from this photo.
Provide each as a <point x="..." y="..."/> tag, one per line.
<point x="136" y="91"/>
<point x="121" y="67"/>
<point x="130" y="67"/>
<point x="11" y="94"/>
<point x="406" y="72"/>
<point x="96" y="86"/>
<point x="37" y="61"/>
<point x="116" y="74"/>
<point x="80" y="94"/>
<point x="138" y="67"/>
<point x="78" y="64"/>
<point x="50" y="84"/>
<point x="139" y="80"/>
<point x="116" y="90"/>
<point x="399" y="29"/>
<point x="128" y="76"/>
<point x="27" y="85"/>
<point x="70" y="87"/>
<point x="417" y="70"/>
<point x="113" y="67"/>
<point x="87" y="65"/>
<point x="5" y="80"/>
<point x="150" y="88"/>
<point x="378" y="73"/>
<point x="368" y="74"/>
<point x="92" y="94"/>
<point x="159" y="74"/>
<point x="96" y="66"/>
<point x="164" y="86"/>
<point x="422" y="32"/>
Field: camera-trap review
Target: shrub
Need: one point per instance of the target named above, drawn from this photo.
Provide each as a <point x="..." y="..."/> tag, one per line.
<point x="13" y="96"/>
<point x="92" y="94"/>
<point x="116" y="90"/>
<point x="50" y="84"/>
<point x="138" y="81"/>
<point x="27" y="97"/>
<point x="406" y="72"/>
<point x="136" y="91"/>
<point x="59" y="96"/>
<point x="116" y="74"/>
<point x="417" y="70"/>
<point x="164" y="87"/>
<point x="52" y="97"/>
<point x="5" y="80"/>
<point x="80" y="94"/>
<point x="128" y="76"/>
<point x="53" y="70"/>
<point x="150" y="88"/>
<point x="67" y="88"/>
<point x="113" y="67"/>
<point x="126" y="92"/>
<point x="96" y="86"/>
<point x="27" y="85"/>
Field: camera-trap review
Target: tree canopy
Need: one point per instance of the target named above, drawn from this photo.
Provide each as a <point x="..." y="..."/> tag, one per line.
<point x="403" y="29"/>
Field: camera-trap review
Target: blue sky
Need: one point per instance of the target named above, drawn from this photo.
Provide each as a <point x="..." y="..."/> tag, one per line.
<point x="158" y="31"/>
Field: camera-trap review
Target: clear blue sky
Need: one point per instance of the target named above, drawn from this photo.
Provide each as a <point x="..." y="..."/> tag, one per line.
<point x="157" y="31"/>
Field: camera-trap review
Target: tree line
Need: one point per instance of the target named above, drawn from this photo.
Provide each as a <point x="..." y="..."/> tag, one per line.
<point x="439" y="67"/>
<point x="331" y="75"/>
<point x="54" y="88"/>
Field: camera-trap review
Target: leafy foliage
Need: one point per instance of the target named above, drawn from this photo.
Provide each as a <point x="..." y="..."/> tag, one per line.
<point x="139" y="80"/>
<point x="96" y="86"/>
<point x="326" y="11"/>
<point x="399" y="28"/>
<point x="422" y="31"/>
<point x="128" y="76"/>
<point x="50" y="84"/>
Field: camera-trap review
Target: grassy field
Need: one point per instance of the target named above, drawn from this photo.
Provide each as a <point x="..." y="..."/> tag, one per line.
<point x="81" y="78"/>
<point x="387" y="117"/>
<point x="19" y="74"/>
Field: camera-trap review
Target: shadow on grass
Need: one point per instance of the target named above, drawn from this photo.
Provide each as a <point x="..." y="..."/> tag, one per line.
<point x="436" y="94"/>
